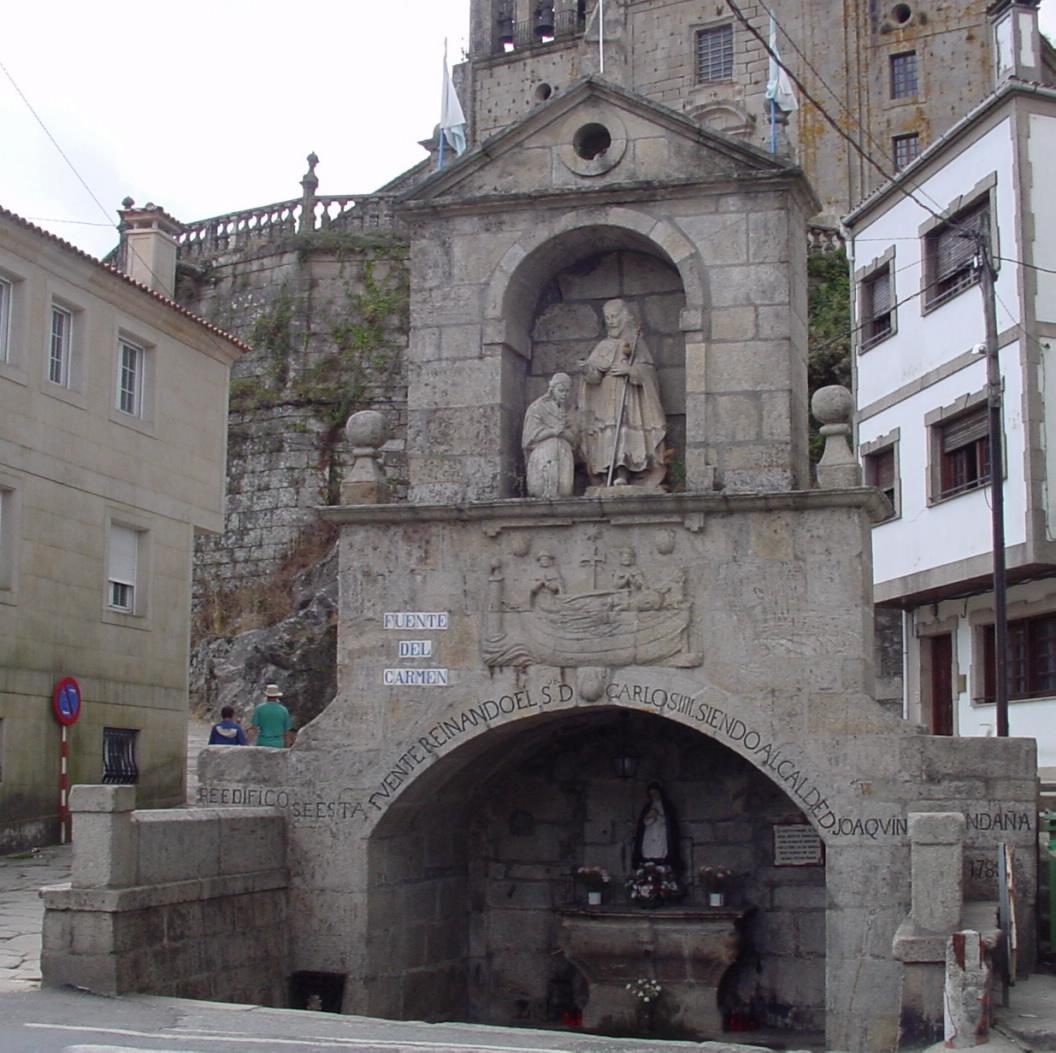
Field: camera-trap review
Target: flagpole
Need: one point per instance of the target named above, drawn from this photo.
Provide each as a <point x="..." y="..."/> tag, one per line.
<point x="443" y="112"/>
<point x="601" y="37"/>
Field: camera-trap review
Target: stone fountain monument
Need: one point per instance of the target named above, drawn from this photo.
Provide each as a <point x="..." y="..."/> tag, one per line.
<point x="612" y="567"/>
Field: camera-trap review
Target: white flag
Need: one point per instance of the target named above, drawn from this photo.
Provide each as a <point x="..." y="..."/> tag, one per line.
<point x="779" y="87"/>
<point x="452" y="119"/>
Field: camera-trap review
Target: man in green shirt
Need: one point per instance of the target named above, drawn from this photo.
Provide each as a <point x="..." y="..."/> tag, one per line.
<point x="272" y="722"/>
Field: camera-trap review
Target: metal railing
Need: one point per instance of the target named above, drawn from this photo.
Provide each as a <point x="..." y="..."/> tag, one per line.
<point x="513" y="35"/>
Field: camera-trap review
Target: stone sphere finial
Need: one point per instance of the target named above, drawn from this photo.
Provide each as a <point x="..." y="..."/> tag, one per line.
<point x="365" y="482"/>
<point x="127" y="202"/>
<point x="367" y="429"/>
<point x="832" y="404"/>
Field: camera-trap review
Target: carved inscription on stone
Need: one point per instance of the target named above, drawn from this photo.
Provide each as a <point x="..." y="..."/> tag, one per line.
<point x="598" y="608"/>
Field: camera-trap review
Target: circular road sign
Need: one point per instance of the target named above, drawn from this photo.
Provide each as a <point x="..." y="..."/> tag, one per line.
<point x="66" y="701"/>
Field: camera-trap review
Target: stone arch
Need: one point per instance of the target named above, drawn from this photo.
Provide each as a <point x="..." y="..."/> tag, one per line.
<point x="666" y="282"/>
<point x="433" y="887"/>
<point x="510" y="295"/>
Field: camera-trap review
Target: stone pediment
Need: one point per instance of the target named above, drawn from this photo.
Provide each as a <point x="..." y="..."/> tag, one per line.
<point x="596" y="136"/>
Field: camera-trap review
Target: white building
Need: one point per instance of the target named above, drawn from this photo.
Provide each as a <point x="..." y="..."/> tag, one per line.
<point x="920" y="384"/>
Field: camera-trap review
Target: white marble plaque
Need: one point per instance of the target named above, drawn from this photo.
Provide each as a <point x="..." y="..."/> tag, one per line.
<point x="797" y="845"/>
<point x="415" y="648"/>
<point x="415" y="620"/>
<point x="415" y="678"/>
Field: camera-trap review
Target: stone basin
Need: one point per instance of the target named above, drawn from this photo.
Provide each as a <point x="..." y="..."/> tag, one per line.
<point x="686" y="951"/>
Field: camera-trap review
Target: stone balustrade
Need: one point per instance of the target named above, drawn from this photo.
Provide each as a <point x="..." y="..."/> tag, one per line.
<point x="235" y="231"/>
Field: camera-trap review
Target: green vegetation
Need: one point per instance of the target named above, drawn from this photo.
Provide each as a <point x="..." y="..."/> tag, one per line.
<point x="829" y="326"/>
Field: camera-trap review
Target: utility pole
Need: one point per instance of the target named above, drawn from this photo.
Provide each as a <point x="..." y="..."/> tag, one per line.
<point x="984" y="264"/>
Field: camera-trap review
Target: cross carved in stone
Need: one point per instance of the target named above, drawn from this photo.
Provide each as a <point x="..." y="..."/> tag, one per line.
<point x="593" y="561"/>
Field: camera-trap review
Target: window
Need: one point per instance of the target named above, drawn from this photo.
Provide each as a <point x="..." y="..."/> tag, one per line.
<point x="906" y="148"/>
<point x="880" y="461"/>
<point x="715" y="54"/>
<point x="8" y="541"/>
<point x="59" y="356"/>
<point x="877" y="308"/>
<point x="904" y="75"/>
<point x="880" y="472"/>
<point x="949" y="253"/>
<point x="119" y="755"/>
<point x="964" y="452"/>
<point x="1031" y="657"/>
<point x="5" y="320"/>
<point x="130" y="376"/>
<point x="122" y="568"/>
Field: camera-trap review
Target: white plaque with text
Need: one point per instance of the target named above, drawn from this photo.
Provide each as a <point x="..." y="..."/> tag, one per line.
<point x="415" y="620"/>
<point x="414" y="648"/>
<point x="415" y="678"/>
<point x="797" y="845"/>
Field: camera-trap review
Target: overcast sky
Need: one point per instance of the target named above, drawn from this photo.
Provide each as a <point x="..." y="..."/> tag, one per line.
<point x="210" y="106"/>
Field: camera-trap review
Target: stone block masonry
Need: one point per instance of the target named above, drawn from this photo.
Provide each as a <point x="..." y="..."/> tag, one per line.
<point x="326" y="317"/>
<point x="188" y="903"/>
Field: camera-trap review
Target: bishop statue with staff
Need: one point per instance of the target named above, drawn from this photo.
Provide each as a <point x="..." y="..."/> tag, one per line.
<point x="622" y="415"/>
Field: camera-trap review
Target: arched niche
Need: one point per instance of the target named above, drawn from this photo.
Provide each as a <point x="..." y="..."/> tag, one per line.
<point x="544" y="311"/>
<point x="470" y="866"/>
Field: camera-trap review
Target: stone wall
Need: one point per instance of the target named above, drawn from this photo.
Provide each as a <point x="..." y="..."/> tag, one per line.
<point x="564" y="807"/>
<point x="326" y="317"/>
<point x="188" y="903"/>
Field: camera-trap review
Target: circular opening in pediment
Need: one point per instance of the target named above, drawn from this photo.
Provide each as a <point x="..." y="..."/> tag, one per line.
<point x="543" y="92"/>
<point x="901" y="13"/>
<point x="592" y="140"/>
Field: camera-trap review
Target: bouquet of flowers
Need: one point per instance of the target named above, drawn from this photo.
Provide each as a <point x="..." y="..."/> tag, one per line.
<point x="595" y="878"/>
<point x="653" y="883"/>
<point x="715" y="879"/>
<point x="645" y="990"/>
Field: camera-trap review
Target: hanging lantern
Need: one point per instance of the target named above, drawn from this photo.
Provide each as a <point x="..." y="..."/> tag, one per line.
<point x="625" y="759"/>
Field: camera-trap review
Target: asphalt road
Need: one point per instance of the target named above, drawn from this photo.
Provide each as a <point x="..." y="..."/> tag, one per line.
<point x="71" y="1021"/>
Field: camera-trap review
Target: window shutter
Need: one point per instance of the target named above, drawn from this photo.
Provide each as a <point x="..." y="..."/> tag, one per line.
<point x="880" y="294"/>
<point x="124" y="546"/>
<point x="964" y="430"/>
<point x="953" y="251"/>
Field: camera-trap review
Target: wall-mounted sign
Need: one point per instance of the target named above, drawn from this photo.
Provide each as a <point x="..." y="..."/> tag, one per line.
<point x="66" y="701"/>
<point x="415" y="620"/>
<point x="797" y="845"/>
<point x="415" y="648"/>
<point x="415" y="678"/>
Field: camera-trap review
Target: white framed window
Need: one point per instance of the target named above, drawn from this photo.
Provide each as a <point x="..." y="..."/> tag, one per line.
<point x="122" y="568"/>
<point x="60" y="347"/>
<point x="131" y="376"/>
<point x="6" y="301"/>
